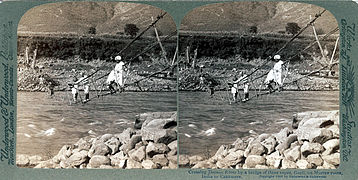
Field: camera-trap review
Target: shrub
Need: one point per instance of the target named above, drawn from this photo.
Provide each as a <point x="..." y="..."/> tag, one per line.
<point x="292" y="28"/>
<point x="131" y="29"/>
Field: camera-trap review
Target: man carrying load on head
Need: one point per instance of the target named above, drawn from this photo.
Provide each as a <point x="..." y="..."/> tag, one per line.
<point x="275" y="75"/>
<point x="116" y="75"/>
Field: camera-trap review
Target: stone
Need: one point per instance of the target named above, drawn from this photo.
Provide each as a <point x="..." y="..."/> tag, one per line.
<point x="331" y="146"/>
<point x="113" y="143"/>
<point x="293" y="154"/>
<point x="63" y="154"/>
<point x="118" y="158"/>
<point x="77" y="159"/>
<point x="165" y="136"/>
<point x="132" y="164"/>
<point x="105" y="137"/>
<point x="34" y="160"/>
<point x="105" y="167"/>
<point x="257" y="149"/>
<point x="148" y="164"/>
<point x="97" y="160"/>
<point x="137" y="155"/>
<point x="162" y="123"/>
<point x="282" y="135"/>
<point x="260" y="166"/>
<point x="173" y="159"/>
<point x="156" y="148"/>
<point x="234" y="158"/>
<point x="262" y="137"/>
<point x="332" y="159"/>
<point x="270" y="144"/>
<point x="274" y="159"/>
<point x="335" y="131"/>
<point x="183" y="160"/>
<point x="99" y="149"/>
<point x="334" y="116"/>
<point x="173" y="145"/>
<point x="326" y="165"/>
<point x="172" y="165"/>
<point x="286" y="143"/>
<point x="320" y="122"/>
<point x="239" y="144"/>
<point x="47" y="164"/>
<point x="131" y="143"/>
<point x="303" y="164"/>
<point x="83" y="144"/>
<point x="287" y="164"/>
<point x="318" y="135"/>
<point x="221" y="152"/>
<point x="141" y="118"/>
<point x="253" y="160"/>
<point x="22" y="160"/>
<point x="204" y="165"/>
<point x="160" y="160"/>
<point x="315" y="159"/>
<point x="195" y="159"/>
<point x="172" y="152"/>
<point x="311" y="148"/>
<point x="125" y="136"/>
<point x="305" y="116"/>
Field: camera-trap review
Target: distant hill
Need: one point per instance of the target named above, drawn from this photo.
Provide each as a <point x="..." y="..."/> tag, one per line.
<point x="78" y="17"/>
<point x="269" y="17"/>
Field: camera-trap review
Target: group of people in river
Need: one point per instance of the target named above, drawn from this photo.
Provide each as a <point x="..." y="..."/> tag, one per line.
<point x="114" y="82"/>
<point x="273" y="79"/>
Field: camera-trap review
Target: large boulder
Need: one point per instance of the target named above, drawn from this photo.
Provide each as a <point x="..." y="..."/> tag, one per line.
<point x="132" y="164"/>
<point x="165" y="136"/>
<point x="332" y="159"/>
<point x="315" y="159"/>
<point x="118" y="159"/>
<point x="142" y="118"/>
<point x="270" y="144"/>
<point x="160" y="159"/>
<point x="301" y="118"/>
<point x="331" y="146"/>
<point x="125" y="136"/>
<point x="131" y="143"/>
<point x="137" y="155"/>
<point x="311" y="148"/>
<point x="234" y="158"/>
<point x="239" y="144"/>
<point x="293" y="154"/>
<point x="97" y="160"/>
<point x="303" y="164"/>
<point x="83" y="144"/>
<point x="99" y="149"/>
<point x="113" y="143"/>
<point x="274" y="159"/>
<point x="253" y="160"/>
<point x="22" y="160"/>
<point x="156" y="148"/>
<point x="148" y="164"/>
<point x="286" y="143"/>
<point x="318" y="135"/>
<point x="287" y="164"/>
<point x="282" y="135"/>
<point x="77" y="159"/>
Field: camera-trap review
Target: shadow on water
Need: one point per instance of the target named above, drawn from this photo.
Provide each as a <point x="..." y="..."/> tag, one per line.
<point x="206" y="123"/>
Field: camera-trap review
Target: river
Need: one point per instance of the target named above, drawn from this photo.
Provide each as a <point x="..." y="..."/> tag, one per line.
<point x="206" y="123"/>
<point x="45" y="124"/>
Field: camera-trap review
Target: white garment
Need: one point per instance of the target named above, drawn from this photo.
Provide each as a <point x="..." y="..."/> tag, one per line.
<point x="246" y="88"/>
<point x="275" y="74"/>
<point x="234" y="89"/>
<point x="116" y="75"/>
<point x="74" y="89"/>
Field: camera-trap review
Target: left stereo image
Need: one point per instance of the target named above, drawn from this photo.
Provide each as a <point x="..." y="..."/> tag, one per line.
<point x="96" y="87"/>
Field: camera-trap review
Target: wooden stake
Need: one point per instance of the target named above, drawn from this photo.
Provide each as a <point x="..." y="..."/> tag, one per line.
<point x="319" y="44"/>
<point x="164" y="53"/>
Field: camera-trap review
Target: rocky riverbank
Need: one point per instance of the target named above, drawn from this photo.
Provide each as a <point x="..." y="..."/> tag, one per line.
<point x="311" y="143"/>
<point x="150" y="144"/>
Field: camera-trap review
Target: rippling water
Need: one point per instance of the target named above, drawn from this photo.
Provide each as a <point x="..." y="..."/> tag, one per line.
<point x="45" y="124"/>
<point x="206" y="123"/>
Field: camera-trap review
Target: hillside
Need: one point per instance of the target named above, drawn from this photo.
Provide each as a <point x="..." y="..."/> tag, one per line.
<point x="269" y="17"/>
<point x="78" y="17"/>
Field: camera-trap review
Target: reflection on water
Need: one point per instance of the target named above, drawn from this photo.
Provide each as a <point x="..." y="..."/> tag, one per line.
<point x="45" y="124"/>
<point x="206" y="123"/>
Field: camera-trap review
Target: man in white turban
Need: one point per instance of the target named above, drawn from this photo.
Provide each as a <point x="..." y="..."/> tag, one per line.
<point x="116" y="75"/>
<point x="275" y="74"/>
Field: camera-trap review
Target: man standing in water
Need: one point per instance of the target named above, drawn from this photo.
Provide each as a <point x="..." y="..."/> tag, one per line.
<point x="116" y="75"/>
<point x="234" y="90"/>
<point x="84" y="81"/>
<point x="245" y="81"/>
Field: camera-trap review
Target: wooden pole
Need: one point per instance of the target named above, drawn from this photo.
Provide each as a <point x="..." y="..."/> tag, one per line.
<point x="164" y="53"/>
<point x="333" y="53"/>
<point x="187" y="54"/>
<point x="27" y="55"/>
<point x="34" y="59"/>
<point x="319" y="44"/>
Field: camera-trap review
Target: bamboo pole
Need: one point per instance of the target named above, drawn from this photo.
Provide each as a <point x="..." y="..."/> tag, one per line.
<point x="164" y="53"/>
<point x="319" y="44"/>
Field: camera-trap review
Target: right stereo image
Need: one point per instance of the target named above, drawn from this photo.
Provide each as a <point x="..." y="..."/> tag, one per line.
<point x="258" y="87"/>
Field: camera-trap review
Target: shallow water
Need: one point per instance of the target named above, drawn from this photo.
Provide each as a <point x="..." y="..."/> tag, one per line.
<point x="206" y="123"/>
<point x="45" y="124"/>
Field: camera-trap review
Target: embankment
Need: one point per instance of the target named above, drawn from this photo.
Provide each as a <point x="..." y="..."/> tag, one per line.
<point x="311" y="143"/>
<point x="150" y="144"/>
